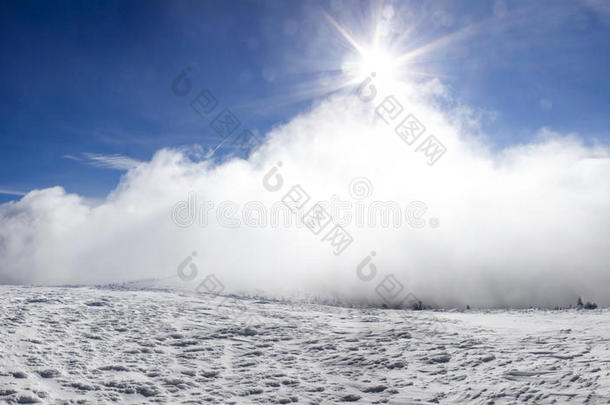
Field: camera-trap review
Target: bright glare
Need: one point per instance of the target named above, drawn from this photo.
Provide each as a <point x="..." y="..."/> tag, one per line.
<point x="377" y="61"/>
<point x="374" y="61"/>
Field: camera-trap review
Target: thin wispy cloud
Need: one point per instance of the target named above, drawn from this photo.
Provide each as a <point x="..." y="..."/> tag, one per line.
<point x="11" y="192"/>
<point x="113" y="162"/>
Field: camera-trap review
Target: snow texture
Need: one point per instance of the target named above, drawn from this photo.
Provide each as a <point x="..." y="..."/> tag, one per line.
<point x="105" y="345"/>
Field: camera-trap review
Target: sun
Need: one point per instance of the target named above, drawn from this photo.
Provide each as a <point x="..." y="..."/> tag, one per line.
<point x="373" y="60"/>
<point x="378" y="61"/>
<point x="382" y="52"/>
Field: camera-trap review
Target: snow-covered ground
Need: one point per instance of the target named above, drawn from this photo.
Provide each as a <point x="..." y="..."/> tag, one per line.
<point x="90" y="345"/>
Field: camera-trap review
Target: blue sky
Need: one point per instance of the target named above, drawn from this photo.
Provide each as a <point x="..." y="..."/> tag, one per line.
<point x="82" y="82"/>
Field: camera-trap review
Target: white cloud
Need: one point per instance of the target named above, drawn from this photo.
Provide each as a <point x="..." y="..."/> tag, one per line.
<point x="523" y="226"/>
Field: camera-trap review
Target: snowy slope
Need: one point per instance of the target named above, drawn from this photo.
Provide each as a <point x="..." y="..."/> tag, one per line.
<point x="68" y="345"/>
